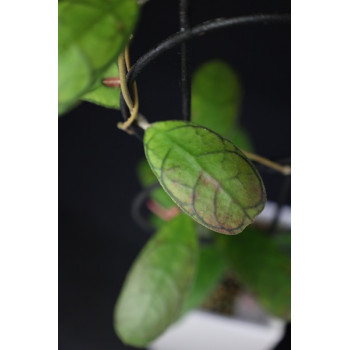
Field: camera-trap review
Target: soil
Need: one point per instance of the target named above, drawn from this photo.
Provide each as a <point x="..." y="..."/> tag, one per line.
<point x="222" y="299"/>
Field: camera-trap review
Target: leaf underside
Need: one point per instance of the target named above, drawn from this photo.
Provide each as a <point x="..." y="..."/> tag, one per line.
<point x="206" y="175"/>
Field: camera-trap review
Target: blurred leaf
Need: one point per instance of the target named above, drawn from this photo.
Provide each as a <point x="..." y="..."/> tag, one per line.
<point x="145" y="173"/>
<point x="156" y="221"/>
<point x="283" y="240"/>
<point x="208" y="177"/>
<point x="211" y="267"/>
<point x="259" y="264"/>
<point x="147" y="178"/>
<point x="157" y="283"/>
<point x="216" y="97"/>
<point x="91" y="34"/>
<point x="240" y="138"/>
<point x="103" y="95"/>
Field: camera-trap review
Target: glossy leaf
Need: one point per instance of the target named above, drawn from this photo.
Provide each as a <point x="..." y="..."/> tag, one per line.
<point x="259" y="264"/>
<point x="103" y="95"/>
<point x="207" y="176"/>
<point x="216" y="97"/>
<point x="91" y="34"/>
<point x="211" y="267"/>
<point x="155" y="287"/>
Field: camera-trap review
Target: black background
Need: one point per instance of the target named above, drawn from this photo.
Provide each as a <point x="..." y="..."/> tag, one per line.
<point x="98" y="239"/>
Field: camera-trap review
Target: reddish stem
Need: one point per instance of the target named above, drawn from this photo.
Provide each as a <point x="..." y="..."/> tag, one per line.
<point x="111" y="82"/>
<point x="160" y="211"/>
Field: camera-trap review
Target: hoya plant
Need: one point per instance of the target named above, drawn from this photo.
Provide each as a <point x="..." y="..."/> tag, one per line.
<point x="204" y="191"/>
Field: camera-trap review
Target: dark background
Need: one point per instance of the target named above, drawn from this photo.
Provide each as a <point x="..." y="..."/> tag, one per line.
<point x="98" y="239"/>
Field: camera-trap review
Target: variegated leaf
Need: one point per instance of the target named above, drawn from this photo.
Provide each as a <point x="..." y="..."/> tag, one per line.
<point x="206" y="175"/>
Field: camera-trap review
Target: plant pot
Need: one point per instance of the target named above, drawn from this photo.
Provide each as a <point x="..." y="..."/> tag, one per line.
<point x="200" y="330"/>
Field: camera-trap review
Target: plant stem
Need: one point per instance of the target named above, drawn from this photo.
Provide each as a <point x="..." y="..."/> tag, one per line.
<point x="123" y="84"/>
<point x="124" y="59"/>
<point x="142" y="122"/>
<point x="284" y="169"/>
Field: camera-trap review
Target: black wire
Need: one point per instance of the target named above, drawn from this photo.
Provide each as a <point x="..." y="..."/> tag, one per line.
<point x="137" y="204"/>
<point x="185" y="78"/>
<point x="199" y="30"/>
<point x="181" y="37"/>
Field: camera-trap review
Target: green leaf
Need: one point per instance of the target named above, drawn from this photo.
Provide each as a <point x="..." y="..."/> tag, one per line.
<point x="145" y="174"/>
<point x="156" y="221"/>
<point x="240" y="138"/>
<point x="103" y="95"/>
<point x="147" y="178"/>
<point x="211" y="267"/>
<point x="283" y="239"/>
<point x="216" y="97"/>
<point x="157" y="283"/>
<point x="207" y="176"/>
<point x="259" y="264"/>
<point x="91" y="34"/>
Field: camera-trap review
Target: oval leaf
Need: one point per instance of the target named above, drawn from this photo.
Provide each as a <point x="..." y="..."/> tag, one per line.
<point x="91" y="34"/>
<point x="216" y="102"/>
<point x="152" y="296"/>
<point x="216" y="97"/>
<point x="206" y="175"/>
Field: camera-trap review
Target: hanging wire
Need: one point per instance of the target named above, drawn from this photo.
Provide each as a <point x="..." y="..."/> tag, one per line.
<point x="184" y="36"/>
<point x="185" y="74"/>
<point x="137" y="205"/>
